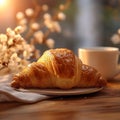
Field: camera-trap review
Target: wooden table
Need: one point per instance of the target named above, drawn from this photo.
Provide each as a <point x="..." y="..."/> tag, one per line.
<point x="104" y="105"/>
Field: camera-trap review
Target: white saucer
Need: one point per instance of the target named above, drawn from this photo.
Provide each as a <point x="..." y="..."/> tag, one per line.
<point x="59" y="92"/>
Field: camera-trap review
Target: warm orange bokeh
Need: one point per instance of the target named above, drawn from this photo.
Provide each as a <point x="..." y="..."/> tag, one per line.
<point x="3" y="5"/>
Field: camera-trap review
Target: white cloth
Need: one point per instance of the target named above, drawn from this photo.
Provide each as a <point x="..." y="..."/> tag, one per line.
<point x="8" y="94"/>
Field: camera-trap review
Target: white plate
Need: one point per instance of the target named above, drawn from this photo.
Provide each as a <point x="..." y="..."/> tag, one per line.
<point x="59" y="92"/>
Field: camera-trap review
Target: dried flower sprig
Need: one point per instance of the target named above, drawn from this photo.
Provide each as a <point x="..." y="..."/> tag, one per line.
<point x="39" y="23"/>
<point x="15" y="51"/>
<point x="35" y="24"/>
<point x="116" y="37"/>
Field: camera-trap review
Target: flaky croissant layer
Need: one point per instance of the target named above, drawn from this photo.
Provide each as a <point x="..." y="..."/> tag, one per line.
<point x="58" y="68"/>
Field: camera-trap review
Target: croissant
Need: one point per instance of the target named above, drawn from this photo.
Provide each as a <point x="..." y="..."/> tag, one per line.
<point x="58" y="68"/>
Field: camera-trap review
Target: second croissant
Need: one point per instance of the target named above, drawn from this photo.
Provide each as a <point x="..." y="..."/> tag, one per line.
<point x="58" y="68"/>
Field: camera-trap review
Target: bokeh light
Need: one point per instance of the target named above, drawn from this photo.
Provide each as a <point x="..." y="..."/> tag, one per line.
<point x="3" y="3"/>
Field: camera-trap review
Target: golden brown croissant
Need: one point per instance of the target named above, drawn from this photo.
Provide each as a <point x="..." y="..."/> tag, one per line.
<point x="58" y="68"/>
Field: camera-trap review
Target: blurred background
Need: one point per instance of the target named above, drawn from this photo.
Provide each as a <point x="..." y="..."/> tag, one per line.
<point x="88" y="22"/>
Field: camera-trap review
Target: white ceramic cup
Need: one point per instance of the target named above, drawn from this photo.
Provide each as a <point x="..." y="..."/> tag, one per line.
<point x="104" y="59"/>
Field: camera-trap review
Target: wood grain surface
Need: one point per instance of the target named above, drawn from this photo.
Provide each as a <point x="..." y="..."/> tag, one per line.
<point x="103" y="105"/>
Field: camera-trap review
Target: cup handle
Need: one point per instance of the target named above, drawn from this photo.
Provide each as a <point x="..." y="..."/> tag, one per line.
<point x="118" y="70"/>
<point x="118" y="67"/>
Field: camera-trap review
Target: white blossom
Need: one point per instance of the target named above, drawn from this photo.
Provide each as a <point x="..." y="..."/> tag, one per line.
<point x="4" y="48"/>
<point x="61" y="16"/>
<point x="50" y="43"/>
<point x="3" y="38"/>
<point x="115" y="39"/>
<point x="1" y="66"/>
<point x="48" y="23"/>
<point x="10" y="41"/>
<point x="45" y="7"/>
<point x="39" y="37"/>
<point x="10" y="32"/>
<point x="29" y="12"/>
<point x="56" y="26"/>
<point x="35" y="26"/>
<point x="47" y="16"/>
<point x="13" y="66"/>
<point x="23" y="22"/>
<point x="20" y="15"/>
<point x="14" y="57"/>
<point x="18" y="29"/>
<point x="118" y="31"/>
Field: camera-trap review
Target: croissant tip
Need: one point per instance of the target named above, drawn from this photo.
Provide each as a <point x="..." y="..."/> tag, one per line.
<point x="14" y="84"/>
<point x="102" y="82"/>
